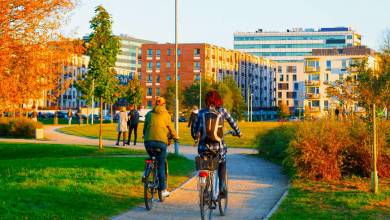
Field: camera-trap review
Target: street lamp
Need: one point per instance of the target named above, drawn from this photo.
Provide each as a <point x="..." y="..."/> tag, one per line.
<point x="200" y="89"/>
<point x="251" y="107"/>
<point x="176" y="79"/>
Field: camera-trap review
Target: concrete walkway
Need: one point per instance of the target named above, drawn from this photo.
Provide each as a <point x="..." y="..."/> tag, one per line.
<point x="255" y="185"/>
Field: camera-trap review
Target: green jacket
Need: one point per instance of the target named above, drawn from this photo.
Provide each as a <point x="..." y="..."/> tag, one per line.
<point x="158" y="125"/>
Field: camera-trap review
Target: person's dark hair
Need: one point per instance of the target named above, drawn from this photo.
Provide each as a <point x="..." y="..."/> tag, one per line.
<point x="213" y="98"/>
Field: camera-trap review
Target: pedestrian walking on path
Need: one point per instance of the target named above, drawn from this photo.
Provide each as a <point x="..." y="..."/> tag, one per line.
<point x="70" y="115"/>
<point x="133" y="117"/>
<point x="122" y="125"/>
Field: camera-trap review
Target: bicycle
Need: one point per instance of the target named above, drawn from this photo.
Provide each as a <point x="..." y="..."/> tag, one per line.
<point x="151" y="180"/>
<point x="208" y="183"/>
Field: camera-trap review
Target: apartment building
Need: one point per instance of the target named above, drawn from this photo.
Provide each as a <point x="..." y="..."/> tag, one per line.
<point x="74" y="70"/>
<point x="290" y="86"/>
<point x="324" y="67"/>
<point x="254" y="75"/>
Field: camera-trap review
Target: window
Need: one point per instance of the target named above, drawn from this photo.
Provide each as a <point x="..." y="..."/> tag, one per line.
<point x="158" y="53"/>
<point x="327" y="77"/>
<point x="287" y="78"/>
<point x="281" y="78"/>
<point x="169" y="78"/>
<point x="280" y="70"/>
<point x="178" y="52"/>
<point x="150" y="78"/>
<point x="158" y="79"/>
<point x="168" y="65"/>
<point x="294" y="77"/>
<point x="291" y="69"/>
<point x="150" y="52"/>
<point x="314" y="77"/>
<point x="296" y="86"/>
<point x="326" y="104"/>
<point x="349" y="37"/>
<point x="280" y="95"/>
<point x="150" y="91"/>
<point x="196" y="65"/>
<point x="158" y="65"/>
<point x="150" y="65"/>
<point x="313" y="90"/>
<point x="196" y="52"/>
<point x="315" y="103"/>
<point x="157" y="91"/>
<point x="197" y="77"/>
<point x="169" y="52"/>
<point x="178" y="65"/>
<point x="149" y="104"/>
<point x="328" y="65"/>
<point x="344" y="64"/>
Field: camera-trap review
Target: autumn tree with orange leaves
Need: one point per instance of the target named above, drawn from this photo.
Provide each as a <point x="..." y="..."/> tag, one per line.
<point x="32" y="50"/>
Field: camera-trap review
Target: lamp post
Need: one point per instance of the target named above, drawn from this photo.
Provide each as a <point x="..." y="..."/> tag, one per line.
<point x="251" y="107"/>
<point x="176" y="79"/>
<point x="200" y="89"/>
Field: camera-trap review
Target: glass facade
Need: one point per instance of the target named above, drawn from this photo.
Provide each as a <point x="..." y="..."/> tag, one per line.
<point x="293" y="45"/>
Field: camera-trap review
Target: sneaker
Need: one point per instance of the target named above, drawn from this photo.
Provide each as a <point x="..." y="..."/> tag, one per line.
<point x="117" y="144"/>
<point x="165" y="193"/>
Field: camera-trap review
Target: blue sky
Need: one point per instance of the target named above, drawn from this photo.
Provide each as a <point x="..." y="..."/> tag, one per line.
<point x="215" y="21"/>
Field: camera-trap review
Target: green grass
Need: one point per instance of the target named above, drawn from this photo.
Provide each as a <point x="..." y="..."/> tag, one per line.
<point x="50" y="121"/>
<point x="346" y="199"/>
<point x="59" y="182"/>
<point x="249" y="131"/>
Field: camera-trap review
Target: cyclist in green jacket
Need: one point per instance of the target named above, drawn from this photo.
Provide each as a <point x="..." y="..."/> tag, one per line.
<point x="157" y="128"/>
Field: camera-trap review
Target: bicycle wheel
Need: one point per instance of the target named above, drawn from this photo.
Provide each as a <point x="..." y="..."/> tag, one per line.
<point x="160" y="197"/>
<point x="149" y="191"/>
<point x="223" y="201"/>
<point x="205" y="202"/>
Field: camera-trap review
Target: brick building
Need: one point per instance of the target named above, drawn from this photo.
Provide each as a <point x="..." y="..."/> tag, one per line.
<point x="254" y="75"/>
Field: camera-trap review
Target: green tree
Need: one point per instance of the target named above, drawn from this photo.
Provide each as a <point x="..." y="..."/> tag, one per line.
<point x="191" y="94"/>
<point x="102" y="49"/>
<point x="169" y="96"/>
<point x="115" y="91"/>
<point x="134" y="92"/>
<point x="238" y="105"/>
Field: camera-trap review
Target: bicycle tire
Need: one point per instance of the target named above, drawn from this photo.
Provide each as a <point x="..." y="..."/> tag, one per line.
<point x="204" y="202"/>
<point x="149" y="192"/>
<point x="223" y="202"/>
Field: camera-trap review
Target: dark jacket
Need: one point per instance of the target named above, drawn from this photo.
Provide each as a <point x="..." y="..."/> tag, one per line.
<point x="133" y="117"/>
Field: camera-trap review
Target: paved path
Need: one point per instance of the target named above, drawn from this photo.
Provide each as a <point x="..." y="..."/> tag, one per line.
<point x="255" y="185"/>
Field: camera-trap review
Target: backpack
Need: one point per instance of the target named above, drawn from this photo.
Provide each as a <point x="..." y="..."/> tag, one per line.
<point x="212" y="126"/>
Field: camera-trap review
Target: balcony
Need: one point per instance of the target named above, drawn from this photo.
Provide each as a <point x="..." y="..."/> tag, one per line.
<point x="312" y="96"/>
<point x="312" y="69"/>
<point x="314" y="109"/>
<point x="312" y="82"/>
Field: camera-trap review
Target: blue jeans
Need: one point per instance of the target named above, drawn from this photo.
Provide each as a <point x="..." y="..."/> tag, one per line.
<point x="160" y="157"/>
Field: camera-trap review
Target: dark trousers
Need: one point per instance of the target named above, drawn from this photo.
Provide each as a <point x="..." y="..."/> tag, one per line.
<point x="160" y="157"/>
<point x="119" y="137"/>
<point x="133" y="128"/>
<point x="222" y="174"/>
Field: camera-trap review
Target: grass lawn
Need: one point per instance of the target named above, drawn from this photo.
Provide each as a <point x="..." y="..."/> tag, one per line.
<point x="39" y="181"/>
<point x="346" y="199"/>
<point x="249" y="131"/>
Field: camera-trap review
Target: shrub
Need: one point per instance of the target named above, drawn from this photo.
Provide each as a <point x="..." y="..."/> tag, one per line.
<point x="273" y="143"/>
<point x="5" y="126"/>
<point x="327" y="149"/>
<point x="18" y="127"/>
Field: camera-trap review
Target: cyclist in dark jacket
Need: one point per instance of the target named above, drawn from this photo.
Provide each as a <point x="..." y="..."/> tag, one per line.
<point x="133" y="123"/>
<point x="214" y="101"/>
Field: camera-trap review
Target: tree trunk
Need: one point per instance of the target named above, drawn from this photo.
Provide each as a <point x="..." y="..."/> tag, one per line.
<point x="112" y="115"/>
<point x="101" y="124"/>
<point x="87" y="115"/>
